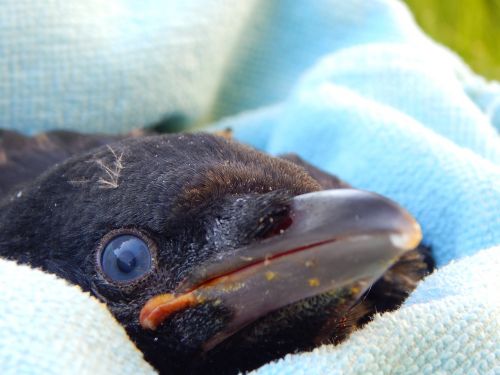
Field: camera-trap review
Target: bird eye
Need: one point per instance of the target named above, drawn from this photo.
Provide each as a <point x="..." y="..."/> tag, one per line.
<point x="126" y="258"/>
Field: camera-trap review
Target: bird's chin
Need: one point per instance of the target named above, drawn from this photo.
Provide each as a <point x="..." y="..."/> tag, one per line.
<point x="298" y="327"/>
<point x="180" y="344"/>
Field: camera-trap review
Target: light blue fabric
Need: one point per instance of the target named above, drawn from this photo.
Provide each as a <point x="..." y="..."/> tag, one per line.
<point x="354" y="87"/>
<point x="51" y="327"/>
<point x="112" y="66"/>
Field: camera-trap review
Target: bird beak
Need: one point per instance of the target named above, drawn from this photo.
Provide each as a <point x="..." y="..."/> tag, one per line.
<point x="338" y="240"/>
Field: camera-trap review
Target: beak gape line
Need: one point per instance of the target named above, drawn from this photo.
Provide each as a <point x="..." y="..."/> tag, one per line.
<point x="338" y="239"/>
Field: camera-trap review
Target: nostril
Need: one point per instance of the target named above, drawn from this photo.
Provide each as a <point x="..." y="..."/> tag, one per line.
<point x="276" y="224"/>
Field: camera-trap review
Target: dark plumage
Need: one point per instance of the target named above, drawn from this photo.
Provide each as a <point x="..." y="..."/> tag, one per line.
<point x="192" y="200"/>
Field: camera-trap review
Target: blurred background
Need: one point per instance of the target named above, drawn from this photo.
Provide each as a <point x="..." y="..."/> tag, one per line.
<point x="469" y="27"/>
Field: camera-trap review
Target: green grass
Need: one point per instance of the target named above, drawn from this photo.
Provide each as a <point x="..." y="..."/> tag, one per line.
<point x="469" y="27"/>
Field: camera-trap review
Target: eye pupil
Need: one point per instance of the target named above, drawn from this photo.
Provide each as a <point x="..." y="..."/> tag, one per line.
<point x="125" y="258"/>
<point x="126" y="261"/>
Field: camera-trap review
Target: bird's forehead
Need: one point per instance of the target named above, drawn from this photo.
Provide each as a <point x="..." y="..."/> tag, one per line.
<point x="225" y="178"/>
<point x="197" y="167"/>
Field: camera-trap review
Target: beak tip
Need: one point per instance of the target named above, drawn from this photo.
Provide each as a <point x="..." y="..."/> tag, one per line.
<point x="409" y="238"/>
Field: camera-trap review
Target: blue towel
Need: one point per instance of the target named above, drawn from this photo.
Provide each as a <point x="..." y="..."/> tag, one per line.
<point x="354" y="87"/>
<point x="50" y="327"/>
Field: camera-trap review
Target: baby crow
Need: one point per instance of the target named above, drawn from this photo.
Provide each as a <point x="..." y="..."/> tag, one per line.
<point x="214" y="257"/>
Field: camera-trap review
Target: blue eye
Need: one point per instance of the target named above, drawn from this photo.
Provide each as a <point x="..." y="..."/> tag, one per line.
<point x="126" y="258"/>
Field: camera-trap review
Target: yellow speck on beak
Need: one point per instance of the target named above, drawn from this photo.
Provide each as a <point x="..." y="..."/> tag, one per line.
<point x="270" y="275"/>
<point x="314" y="282"/>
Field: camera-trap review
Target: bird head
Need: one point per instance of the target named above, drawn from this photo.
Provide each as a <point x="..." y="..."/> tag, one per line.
<point x="213" y="256"/>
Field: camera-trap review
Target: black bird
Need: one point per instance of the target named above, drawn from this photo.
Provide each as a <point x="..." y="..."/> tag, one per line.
<point x="216" y="258"/>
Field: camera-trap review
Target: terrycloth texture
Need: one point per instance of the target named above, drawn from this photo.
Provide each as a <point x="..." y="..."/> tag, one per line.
<point x="50" y="327"/>
<point x="352" y="86"/>
<point x="116" y="65"/>
<point x="112" y="66"/>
